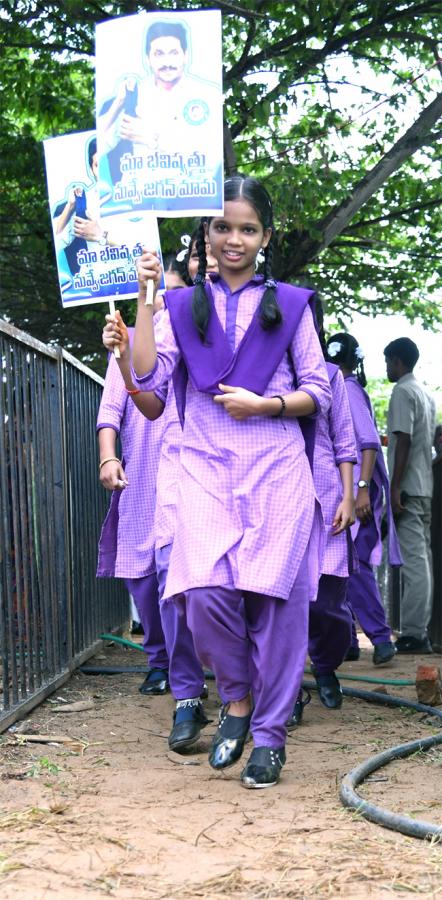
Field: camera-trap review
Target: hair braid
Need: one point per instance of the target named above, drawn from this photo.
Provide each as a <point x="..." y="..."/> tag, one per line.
<point x="318" y="318"/>
<point x="200" y="302"/>
<point x="360" y="374"/>
<point x="269" y="311"/>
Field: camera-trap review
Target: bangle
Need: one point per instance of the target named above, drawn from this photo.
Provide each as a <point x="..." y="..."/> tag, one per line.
<point x="133" y="391"/>
<point x="282" y="410"/>
<point x="108" y="459"/>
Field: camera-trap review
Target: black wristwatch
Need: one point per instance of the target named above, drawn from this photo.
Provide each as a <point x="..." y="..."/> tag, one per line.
<point x="363" y="484"/>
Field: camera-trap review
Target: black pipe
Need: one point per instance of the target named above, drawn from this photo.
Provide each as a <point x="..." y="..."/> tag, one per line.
<point x="113" y="670"/>
<point x="349" y="798"/>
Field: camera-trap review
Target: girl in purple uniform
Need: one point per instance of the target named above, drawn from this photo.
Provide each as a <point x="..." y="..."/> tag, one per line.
<point x="127" y="542"/>
<point x="330" y="621"/>
<point x="250" y="534"/>
<point x="371" y="486"/>
<point x="185" y="673"/>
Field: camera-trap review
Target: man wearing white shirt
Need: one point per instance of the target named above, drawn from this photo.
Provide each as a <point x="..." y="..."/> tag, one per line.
<point x="411" y="421"/>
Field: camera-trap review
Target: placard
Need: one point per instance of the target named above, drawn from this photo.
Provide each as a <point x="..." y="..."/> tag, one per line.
<point x="159" y="113"/>
<point x="96" y="259"/>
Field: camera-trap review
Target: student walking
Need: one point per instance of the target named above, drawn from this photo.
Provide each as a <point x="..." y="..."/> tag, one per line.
<point x="248" y="556"/>
<point x="372" y="490"/>
<point x="186" y="676"/>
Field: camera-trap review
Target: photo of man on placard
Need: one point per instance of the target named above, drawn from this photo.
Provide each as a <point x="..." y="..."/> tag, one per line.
<point x="162" y="122"/>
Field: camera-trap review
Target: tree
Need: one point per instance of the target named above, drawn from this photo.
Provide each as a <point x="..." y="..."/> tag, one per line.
<point x="334" y="104"/>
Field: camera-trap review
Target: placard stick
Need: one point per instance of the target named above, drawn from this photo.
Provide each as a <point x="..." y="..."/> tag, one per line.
<point x="112" y="312"/>
<point x="149" y="293"/>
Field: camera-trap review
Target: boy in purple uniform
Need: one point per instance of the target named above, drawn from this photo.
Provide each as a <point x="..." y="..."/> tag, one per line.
<point x="247" y="566"/>
<point x="371" y="482"/>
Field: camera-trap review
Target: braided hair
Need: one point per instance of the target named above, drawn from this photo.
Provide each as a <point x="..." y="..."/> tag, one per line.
<point x="347" y="355"/>
<point x="200" y="300"/>
<point x="250" y="189"/>
<point x="319" y="323"/>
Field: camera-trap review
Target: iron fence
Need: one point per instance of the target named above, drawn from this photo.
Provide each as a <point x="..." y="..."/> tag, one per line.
<point x="52" y="608"/>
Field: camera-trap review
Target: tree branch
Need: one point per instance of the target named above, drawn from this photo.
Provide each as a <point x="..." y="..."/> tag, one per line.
<point x="334" y="223"/>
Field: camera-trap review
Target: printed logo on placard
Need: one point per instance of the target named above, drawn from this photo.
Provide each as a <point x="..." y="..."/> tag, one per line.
<point x="196" y="112"/>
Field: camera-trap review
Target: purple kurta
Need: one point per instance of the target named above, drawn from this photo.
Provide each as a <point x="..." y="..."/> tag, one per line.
<point x="126" y="547"/>
<point x="246" y="503"/>
<point x="168" y="473"/>
<point x="334" y="444"/>
<point x="367" y="438"/>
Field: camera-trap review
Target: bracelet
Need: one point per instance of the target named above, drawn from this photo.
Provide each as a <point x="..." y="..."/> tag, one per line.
<point x="282" y="410"/>
<point x="133" y="391"/>
<point x="108" y="459"/>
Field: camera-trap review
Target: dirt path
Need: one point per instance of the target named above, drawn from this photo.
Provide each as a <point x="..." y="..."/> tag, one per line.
<point x="115" y="814"/>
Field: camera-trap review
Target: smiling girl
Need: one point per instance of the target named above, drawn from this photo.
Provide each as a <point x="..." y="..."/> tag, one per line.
<point x="247" y="559"/>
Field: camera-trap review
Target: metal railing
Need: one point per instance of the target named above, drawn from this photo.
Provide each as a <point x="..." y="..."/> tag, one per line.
<point x="52" y="607"/>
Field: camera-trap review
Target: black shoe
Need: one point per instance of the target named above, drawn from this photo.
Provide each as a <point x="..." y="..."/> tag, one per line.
<point x="155" y="682"/>
<point x="188" y="720"/>
<point x="205" y="692"/>
<point x="298" y="709"/>
<point x="352" y="655"/>
<point x="383" y="653"/>
<point x="410" y="644"/>
<point x="263" y="768"/>
<point x="229" y="739"/>
<point x="137" y="628"/>
<point x="329" y="690"/>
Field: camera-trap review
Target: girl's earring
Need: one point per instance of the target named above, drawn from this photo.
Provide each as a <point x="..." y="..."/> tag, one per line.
<point x="260" y="257"/>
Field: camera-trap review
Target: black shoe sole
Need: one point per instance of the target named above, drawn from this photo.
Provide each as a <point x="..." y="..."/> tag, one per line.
<point x="383" y="662"/>
<point x="254" y="786"/>
<point x="152" y="692"/>
<point x="180" y="746"/>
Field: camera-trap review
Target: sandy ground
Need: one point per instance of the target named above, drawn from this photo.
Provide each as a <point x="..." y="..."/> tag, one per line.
<point x="114" y="813"/>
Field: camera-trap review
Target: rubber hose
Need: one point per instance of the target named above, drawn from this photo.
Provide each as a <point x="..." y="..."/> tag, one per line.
<point x="113" y="670"/>
<point x="349" y="798"/>
<point x="123" y="641"/>
<point x="395" y="821"/>
<point x="383" y="699"/>
<point x="398" y="682"/>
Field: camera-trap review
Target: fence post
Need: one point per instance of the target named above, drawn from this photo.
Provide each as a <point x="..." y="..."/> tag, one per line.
<point x="67" y="606"/>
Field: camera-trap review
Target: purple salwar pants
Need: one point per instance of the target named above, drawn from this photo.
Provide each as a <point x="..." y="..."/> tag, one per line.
<point x="363" y="594"/>
<point x="330" y="625"/>
<point x="254" y="643"/>
<point x="186" y="676"/>
<point x="145" y="594"/>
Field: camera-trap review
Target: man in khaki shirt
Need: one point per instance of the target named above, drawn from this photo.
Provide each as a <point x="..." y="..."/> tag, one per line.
<point x="411" y="421"/>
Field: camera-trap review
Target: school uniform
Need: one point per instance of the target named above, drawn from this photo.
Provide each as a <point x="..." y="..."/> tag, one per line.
<point x="363" y="593"/>
<point x="330" y="620"/>
<point x="250" y="534"/>
<point x="185" y="672"/>
<point x="126" y="546"/>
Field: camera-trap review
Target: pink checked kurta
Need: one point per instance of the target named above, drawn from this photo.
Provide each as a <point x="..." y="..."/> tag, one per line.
<point x="168" y="473"/>
<point x="126" y="548"/>
<point x="246" y="503"/>
<point x="334" y="444"/>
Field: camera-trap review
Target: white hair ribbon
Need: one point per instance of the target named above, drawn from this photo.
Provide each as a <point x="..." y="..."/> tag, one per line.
<point x="185" y="240"/>
<point x="334" y="348"/>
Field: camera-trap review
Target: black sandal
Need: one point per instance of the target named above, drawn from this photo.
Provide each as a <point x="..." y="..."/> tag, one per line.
<point x="298" y="709"/>
<point x="263" y="768"/>
<point x="229" y="739"/>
